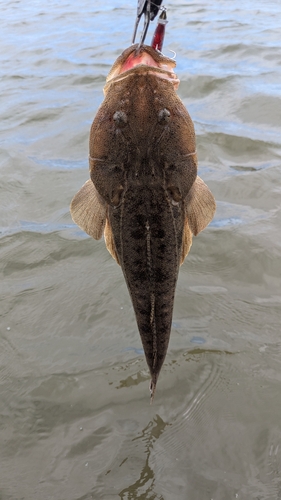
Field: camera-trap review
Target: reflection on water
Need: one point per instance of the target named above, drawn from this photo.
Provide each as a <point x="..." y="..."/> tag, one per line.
<point x="144" y="485"/>
<point x="75" y="419"/>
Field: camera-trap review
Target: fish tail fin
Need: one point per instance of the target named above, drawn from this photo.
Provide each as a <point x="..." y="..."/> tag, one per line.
<point x="152" y="388"/>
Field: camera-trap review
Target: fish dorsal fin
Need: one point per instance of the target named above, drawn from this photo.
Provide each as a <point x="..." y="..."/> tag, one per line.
<point x="88" y="210"/>
<point x="109" y="241"/>
<point x="200" y="206"/>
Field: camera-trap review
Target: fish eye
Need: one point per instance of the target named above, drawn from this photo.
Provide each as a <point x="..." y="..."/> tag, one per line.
<point x="164" y="115"/>
<point x="120" y="118"/>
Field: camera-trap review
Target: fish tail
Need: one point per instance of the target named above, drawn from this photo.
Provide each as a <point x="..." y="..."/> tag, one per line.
<point x="152" y="388"/>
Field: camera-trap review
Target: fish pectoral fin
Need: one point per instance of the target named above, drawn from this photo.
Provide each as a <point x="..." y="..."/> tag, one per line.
<point x="186" y="241"/>
<point x="88" y="210"/>
<point x="109" y="241"/>
<point x="200" y="206"/>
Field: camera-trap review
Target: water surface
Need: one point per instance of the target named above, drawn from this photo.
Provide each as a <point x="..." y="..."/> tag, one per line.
<point x="75" y="419"/>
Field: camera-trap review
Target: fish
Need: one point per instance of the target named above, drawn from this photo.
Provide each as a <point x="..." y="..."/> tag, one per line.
<point x="144" y="194"/>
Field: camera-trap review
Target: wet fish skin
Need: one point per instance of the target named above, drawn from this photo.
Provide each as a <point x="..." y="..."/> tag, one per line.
<point x="148" y="246"/>
<point x="146" y="221"/>
<point x="144" y="193"/>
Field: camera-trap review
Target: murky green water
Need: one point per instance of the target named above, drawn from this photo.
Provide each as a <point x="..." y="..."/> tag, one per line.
<point x="75" y="419"/>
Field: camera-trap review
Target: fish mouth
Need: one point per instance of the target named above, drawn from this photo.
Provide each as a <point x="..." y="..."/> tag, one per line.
<point x="142" y="60"/>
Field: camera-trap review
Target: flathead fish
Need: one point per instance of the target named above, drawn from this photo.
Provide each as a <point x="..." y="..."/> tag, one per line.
<point x="144" y="194"/>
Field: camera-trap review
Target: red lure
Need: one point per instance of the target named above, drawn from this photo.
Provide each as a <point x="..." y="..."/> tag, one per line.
<point x="158" y="37"/>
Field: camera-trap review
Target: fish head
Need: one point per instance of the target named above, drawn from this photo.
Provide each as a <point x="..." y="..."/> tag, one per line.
<point x="142" y="60"/>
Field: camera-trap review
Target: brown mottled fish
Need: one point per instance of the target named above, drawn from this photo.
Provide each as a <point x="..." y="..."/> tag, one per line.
<point x="144" y="194"/>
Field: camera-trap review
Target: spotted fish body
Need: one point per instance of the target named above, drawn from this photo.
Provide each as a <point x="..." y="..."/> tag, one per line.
<point x="144" y="193"/>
